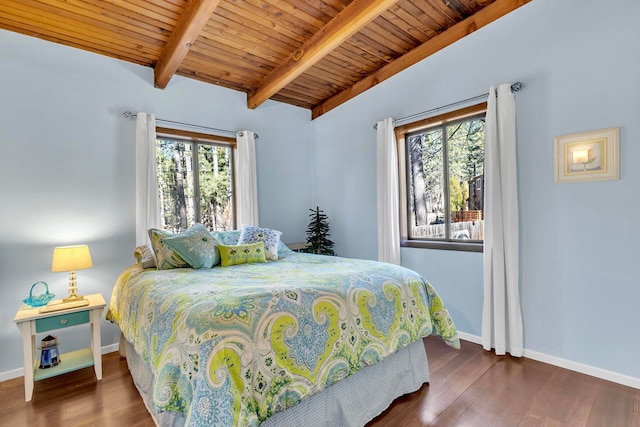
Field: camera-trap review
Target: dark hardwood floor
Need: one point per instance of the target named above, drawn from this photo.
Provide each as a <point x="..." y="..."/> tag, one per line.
<point x="469" y="387"/>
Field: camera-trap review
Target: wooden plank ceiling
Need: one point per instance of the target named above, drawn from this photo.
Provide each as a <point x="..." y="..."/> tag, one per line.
<point x="315" y="54"/>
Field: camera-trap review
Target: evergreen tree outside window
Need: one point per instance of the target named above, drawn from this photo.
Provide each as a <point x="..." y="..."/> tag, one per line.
<point x="443" y="180"/>
<point x="195" y="183"/>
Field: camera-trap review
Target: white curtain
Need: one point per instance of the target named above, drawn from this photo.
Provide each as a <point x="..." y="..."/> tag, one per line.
<point x="501" y="315"/>
<point x="246" y="181"/>
<point x="388" y="215"/>
<point x="147" y="205"/>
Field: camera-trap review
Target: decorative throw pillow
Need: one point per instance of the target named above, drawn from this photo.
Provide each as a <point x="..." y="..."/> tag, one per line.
<point x="196" y="246"/>
<point x="242" y="254"/>
<point x="229" y="237"/>
<point x="144" y="256"/>
<point x="166" y="258"/>
<point x="271" y="239"/>
<point x="283" y="249"/>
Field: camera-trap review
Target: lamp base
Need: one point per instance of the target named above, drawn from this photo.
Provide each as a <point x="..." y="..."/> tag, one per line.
<point x="74" y="298"/>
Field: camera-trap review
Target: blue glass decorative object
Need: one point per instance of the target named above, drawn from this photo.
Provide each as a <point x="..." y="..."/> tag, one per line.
<point x="39" y="300"/>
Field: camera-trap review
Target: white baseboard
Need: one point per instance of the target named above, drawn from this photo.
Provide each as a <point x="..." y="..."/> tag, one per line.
<point x="109" y="348"/>
<point x="9" y="375"/>
<point x="17" y="373"/>
<point x="567" y="364"/>
<point x="471" y="338"/>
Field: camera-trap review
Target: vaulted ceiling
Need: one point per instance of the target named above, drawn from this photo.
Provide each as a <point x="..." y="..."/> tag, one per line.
<point x="315" y="54"/>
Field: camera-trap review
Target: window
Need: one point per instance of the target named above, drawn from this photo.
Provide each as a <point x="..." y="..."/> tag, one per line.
<point x="442" y="168"/>
<point x="195" y="180"/>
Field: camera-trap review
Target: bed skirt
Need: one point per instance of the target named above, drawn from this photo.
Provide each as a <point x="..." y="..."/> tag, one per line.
<point x="351" y="402"/>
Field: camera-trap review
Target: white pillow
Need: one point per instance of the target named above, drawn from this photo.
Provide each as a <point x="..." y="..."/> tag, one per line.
<point x="271" y="239"/>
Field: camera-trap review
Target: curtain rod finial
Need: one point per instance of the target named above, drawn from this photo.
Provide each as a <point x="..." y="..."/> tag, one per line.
<point x="129" y="115"/>
<point x="516" y="86"/>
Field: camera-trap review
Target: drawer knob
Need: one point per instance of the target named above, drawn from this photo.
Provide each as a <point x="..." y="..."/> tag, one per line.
<point x="63" y="321"/>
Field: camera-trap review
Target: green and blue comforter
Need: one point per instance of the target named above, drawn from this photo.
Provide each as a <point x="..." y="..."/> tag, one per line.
<point x="229" y="346"/>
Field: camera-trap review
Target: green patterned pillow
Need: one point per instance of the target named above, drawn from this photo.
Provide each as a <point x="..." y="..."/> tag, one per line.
<point x="242" y="254"/>
<point x="166" y="258"/>
<point x="196" y="246"/>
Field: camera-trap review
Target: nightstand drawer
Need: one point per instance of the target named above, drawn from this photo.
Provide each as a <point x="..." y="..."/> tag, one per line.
<point x="62" y="321"/>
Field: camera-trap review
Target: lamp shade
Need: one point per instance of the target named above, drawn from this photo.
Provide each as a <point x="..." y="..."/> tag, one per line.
<point x="71" y="258"/>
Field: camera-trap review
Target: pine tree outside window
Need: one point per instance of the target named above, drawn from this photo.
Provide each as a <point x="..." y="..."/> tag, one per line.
<point x="442" y="179"/>
<point x="195" y="182"/>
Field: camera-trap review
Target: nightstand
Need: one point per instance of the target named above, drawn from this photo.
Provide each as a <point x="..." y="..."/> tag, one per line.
<point x="298" y="247"/>
<point x="30" y="321"/>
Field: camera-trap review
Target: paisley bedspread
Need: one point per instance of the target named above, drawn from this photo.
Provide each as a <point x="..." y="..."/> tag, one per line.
<point x="229" y="346"/>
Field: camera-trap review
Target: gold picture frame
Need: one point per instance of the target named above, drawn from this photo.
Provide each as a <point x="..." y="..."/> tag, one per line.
<point x="587" y="156"/>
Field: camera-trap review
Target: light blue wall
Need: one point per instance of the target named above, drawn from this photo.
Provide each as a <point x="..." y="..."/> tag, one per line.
<point x="580" y="63"/>
<point x="67" y="167"/>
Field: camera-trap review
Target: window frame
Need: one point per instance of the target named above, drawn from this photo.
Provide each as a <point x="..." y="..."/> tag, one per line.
<point x="401" y="132"/>
<point x="199" y="138"/>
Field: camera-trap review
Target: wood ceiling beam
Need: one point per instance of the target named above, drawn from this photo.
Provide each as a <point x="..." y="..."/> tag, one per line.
<point x="193" y="19"/>
<point x="463" y="28"/>
<point x="348" y="22"/>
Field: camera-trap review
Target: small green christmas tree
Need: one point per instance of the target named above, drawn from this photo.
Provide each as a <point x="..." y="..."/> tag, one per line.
<point x="317" y="233"/>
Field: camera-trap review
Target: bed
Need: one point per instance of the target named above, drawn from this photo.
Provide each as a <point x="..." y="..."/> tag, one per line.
<point x="305" y="339"/>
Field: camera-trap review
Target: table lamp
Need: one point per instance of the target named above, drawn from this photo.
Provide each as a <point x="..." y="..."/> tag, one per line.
<point x="71" y="258"/>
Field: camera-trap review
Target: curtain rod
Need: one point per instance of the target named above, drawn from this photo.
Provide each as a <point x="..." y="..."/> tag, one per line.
<point x="129" y="115"/>
<point x="517" y="86"/>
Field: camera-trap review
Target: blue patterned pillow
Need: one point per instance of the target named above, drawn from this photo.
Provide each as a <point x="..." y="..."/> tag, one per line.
<point x="196" y="246"/>
<point x="271" y="239"/>
<point x="283" y="249"/>
<point x="229" y="237"/>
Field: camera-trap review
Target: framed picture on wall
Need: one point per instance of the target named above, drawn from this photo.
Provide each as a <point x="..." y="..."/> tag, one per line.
<point x="587" y="156"/>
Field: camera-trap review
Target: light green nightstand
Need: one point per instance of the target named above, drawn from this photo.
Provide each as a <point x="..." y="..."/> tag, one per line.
<point x="30" y="321"/>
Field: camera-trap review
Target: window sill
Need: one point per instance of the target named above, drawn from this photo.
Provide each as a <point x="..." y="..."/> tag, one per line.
<point x="442" y="245"/>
